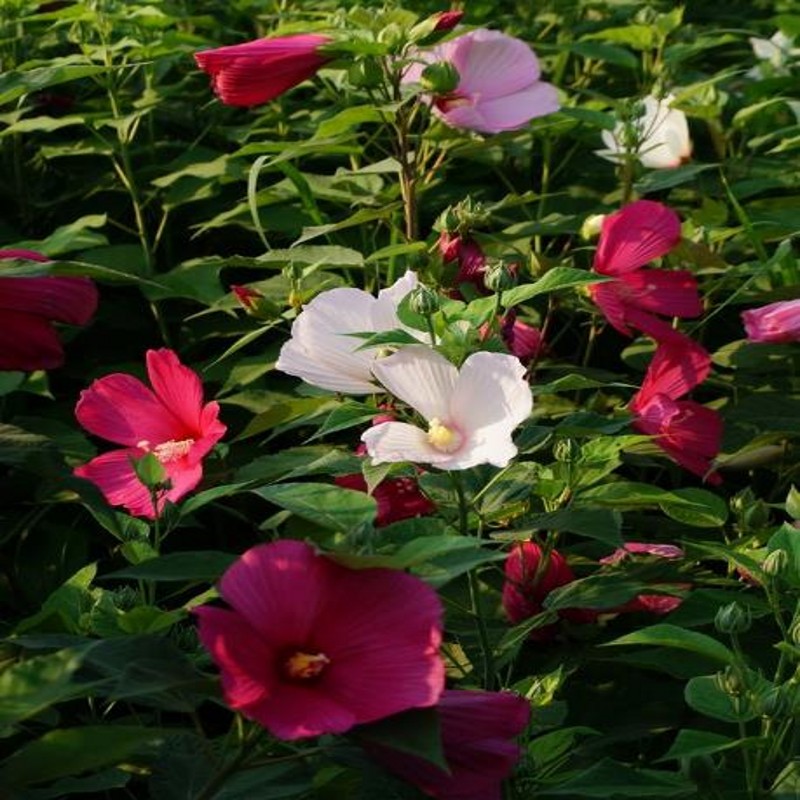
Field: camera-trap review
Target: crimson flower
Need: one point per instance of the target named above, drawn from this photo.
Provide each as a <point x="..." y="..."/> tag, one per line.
<point x="397" y="498"/>
<point x="170" y="420"/>
<point x="777" y="322"/>
<point x="253" y="73"/>
<point x="523" y="340"/>
<point x="447" y="20"/>
<point x="529" y="579"/>
<point x="654" y="603"/>
<point x="468" y="255"/>
<point x="477" y="730"/>
<point x="688" y="432"/>
<point x="629" y="239"/>
<point x="310" y="647"/>
<point x="29" y="306"/>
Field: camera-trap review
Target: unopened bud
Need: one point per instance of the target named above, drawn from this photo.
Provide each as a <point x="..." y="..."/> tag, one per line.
<point x="150" y="471"/>
<point x="592" y="226"/>
<point x="440" y="78"/>
<point x="498" y="276"/>
<point x="775" y="563"/>
<point x="793" y="503"/>
<point x="423" y="301"/>
<point x="777" y="702"/>
<point x="567" y="450"/>
<point x="794" y="633"/>
<point x="731" y="681"/>
<point x="447" y="20"/>
<point x="756" y="516"/>
<point x="732" y="618"/>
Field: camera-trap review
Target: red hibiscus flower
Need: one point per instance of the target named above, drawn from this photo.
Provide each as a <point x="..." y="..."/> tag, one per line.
<point x="309" y="646"/>
<point x="629" y="239"/>
<point x="29" y="306"/>
<point x="170" y="420"/>
<point x="255" y="72"/>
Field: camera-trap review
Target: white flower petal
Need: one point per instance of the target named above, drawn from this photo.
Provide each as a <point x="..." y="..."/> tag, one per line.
<point x="399" y="441"/>
<point x="421" y="377"/>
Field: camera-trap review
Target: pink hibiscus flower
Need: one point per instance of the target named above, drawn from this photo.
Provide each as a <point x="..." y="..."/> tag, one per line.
<point x="654" y="603"/>
<point x="311" y="647"/>
<point x="170" y="420"/>
<point x="777" y="322"/>
<point x="688" y="432"/>
<point x="629" y="239"/>
<point x="469" y="256"/>
<point x="252" y="73"/>
<point x="498" y="88"/>
<point x="29" y="306"/>
<point x="477" y="730"/>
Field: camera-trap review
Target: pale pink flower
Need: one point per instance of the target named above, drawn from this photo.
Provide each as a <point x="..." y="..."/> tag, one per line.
<point x="170" y="420"/>
<point x="29" y="306"/>
<point x="310" y="647"/>
<point x="320" y="350"/>
<point x="630" y="239"/>
<point x="477" y="730"/>
<point x="662" y="133"/>
<point x="470" y="413"/>
<point x="252" y="73"/>
<point x="499" y="87"/>
<point x="688" y="432"/>
<point x="777" y="322"/>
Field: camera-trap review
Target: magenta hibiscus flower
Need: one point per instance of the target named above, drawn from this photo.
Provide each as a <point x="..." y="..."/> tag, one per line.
<point x="311" y="647"/>
<point x="29" y="306"/>
<point x="688" y="432"/>
<point x="778" y="322"/>
<point x="170" y="420"/>
<point x="498" y="88"/>
<point x="629" y="239"/>
<point x="477" y="730"/>
<point x="252" y="73"/>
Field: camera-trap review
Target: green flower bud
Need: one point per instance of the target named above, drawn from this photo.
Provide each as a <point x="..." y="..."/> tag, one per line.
<point x="775" y="563"/>
<point x="793" y="503"/>
<point x="731" y="681"/>
<point x="591" y="226"/>
<point x="777" y="702"/>
<point x="424" y="301"/>
<point x="150" y="471"/>
<point x="794" y="633"/>
<point x="566" y="450"/>
<point x="732" y="618"/>
<point x="498" y="276"/>
<point x="440" y="78"/>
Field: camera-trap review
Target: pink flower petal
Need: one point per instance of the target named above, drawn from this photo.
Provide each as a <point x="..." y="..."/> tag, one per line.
<point x="259" y="583"/>
<point x="677" y="367"/>
<point x="122" y="409"/>
<point x="178" y="388"/>
<point x="671" y="293"/>
<point x="776" y="322"/>
<point x="255" y="72"/>
<point x="639" y="233"/>
<point x="28" y="342"/>
<point x="506" y="113"/>
<point x="71" y="300"/>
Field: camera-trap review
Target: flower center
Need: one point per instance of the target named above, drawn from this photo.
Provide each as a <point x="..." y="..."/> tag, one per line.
<point x="448" y="440"/>
<point x="302" y="666"/>
<point x="167" y="452"/>
<point x="447" y="102"/>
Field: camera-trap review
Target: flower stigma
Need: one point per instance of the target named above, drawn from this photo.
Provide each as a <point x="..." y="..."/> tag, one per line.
<point x="448" y="440"/>
<point x="303" y="666"/>
<point x="167" y="452"/>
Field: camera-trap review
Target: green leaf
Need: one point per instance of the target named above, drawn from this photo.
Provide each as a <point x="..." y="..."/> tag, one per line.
<point x="697" y="507"/>
<point x="70" y="751"/>
<point x="787" y="784"/>
<point x="199" y="565"/>
<point x="666" y="635"/>
<point x="77" y="235"/>
<point x="611" y="778"/>
<point x="331" y="507"/>
<point x="30" y="686"/>
<point x="639" y="37"/>
<point x="552" y="281"/>
<point x="15" y="83"/>
<point x="414" y="732"/>
<point x="690" y="743"/>
<point x="704" y="695"/>
<point x="659" y="179"/>
<point x="596" y="523"/>
<point x="18" y="445"/>
<point x="787" y="538"/>
<point x="361" y="217"/>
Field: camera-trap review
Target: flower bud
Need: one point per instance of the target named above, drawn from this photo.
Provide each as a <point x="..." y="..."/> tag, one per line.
<point x="732" y="618"/>
<point x="793" y="503"/>
<point x="794" y="633"/>
<point x="447" y="20"/>
<point x="424" y="301"/>
<point x="566" y="450"/>
<point x="731" y="681"/>
<point x="777" y="702"/>
<point x="775" y="563"/>
<point x="440" y="78"/>
<point x="591" y="226"/>
<point x="498" y="276"/>
<point x="150" y="471"/>
<point x="756" y="516"/>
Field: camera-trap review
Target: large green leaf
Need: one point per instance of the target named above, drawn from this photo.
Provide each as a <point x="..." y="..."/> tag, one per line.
<point x="667" y="635"/>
